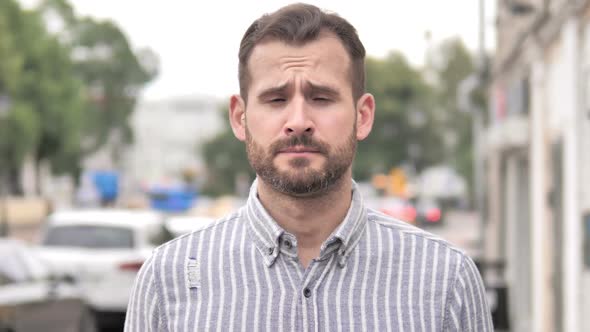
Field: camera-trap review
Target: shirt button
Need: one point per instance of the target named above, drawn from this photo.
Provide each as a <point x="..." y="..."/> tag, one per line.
<point x="271" y="250"/>
<point x="307" y="292"/>
<point x="288" y="244"/>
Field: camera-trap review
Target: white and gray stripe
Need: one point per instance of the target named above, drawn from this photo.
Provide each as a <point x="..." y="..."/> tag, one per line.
<point x="373" y="273"/>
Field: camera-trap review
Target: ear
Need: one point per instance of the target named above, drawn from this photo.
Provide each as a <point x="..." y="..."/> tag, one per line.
<point x="237" y="116"/>
<point x="365" y="108"/>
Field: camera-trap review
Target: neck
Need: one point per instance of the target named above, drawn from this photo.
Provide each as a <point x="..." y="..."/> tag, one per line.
<point x="310" y="219"/>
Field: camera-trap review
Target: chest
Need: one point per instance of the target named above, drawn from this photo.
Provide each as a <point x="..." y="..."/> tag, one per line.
<point x="368" y="292"/>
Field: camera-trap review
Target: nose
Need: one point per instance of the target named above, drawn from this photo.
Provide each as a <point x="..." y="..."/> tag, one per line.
<point x="298" y="120"/>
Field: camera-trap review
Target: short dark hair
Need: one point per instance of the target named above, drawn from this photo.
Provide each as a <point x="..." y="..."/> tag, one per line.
<point x="299" y="24"/>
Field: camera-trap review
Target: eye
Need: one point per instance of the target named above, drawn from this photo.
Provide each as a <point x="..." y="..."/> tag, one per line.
<point x="277" y="100"/>
<point x="321" y="99"/>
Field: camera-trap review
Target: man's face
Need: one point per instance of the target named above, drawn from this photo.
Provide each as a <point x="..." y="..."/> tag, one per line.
<point x="298" y="177"/>
<point x="300" y="118"/>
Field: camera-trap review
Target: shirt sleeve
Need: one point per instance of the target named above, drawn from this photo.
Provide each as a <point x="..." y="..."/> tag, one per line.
<point x="143" y="312"/>
<point x="467" y="305"/>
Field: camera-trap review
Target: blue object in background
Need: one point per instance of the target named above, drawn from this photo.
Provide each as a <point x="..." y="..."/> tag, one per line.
<point x="177" y="199"/>
<point x="107" y="185"/>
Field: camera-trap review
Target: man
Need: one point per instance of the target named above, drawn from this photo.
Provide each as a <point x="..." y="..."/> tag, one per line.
<point x="305" y="254"/>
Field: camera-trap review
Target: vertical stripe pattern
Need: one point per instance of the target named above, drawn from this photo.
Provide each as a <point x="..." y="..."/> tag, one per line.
<point x="373" y="273"/>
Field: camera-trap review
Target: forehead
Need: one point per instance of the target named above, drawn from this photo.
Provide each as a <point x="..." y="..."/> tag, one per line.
<point x="323" y="60"/>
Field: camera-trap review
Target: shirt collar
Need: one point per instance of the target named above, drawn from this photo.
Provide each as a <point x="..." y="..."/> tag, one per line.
<point x="266" y="233"/>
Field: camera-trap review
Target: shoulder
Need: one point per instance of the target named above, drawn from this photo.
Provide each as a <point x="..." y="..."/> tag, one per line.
<point x="172" y="248"/>
<point x="421" y="239"/>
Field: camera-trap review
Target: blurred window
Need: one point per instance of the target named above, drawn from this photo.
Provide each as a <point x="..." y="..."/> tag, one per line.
<point x="94" y="237"/>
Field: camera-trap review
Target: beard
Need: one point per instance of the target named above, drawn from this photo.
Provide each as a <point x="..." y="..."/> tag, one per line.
<point x="301" y="180"/>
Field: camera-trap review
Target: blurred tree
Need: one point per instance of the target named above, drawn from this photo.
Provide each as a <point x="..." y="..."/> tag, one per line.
<point x="226" y="159"/>
<point x="72" y="84"/>
<point x="452" y="63"/>
<point x="45" y="97"/>
<point x="404" y="131"/>
<point x="111" y="72"/>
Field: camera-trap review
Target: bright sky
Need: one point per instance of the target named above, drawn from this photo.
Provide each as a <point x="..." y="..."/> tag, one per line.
<point x="197" y="41"/>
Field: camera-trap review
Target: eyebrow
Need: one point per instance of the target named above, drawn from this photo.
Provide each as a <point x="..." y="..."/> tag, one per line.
<point x="309" y="89"/>
<point x="322" y="89"/>
<point x="280" y="89"/>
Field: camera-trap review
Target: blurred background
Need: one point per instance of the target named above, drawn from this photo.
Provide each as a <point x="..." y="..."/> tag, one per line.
<point x="114" y="139"/>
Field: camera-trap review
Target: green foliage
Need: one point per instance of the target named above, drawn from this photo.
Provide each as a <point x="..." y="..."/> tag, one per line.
<point x="225" y="157"/>
<point x="111" y="72"/>
<point x="22" y="123"/>
<point x="68" y="87"/>
<point x="45" y="100"/>
<point x="113" y="79"/>
<point x="403" y="132"/>
<point x="454" y="64"/>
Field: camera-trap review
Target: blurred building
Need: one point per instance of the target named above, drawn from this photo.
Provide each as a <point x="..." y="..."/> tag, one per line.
<point x="537" y="163"/>
<point x="168" y="134"/>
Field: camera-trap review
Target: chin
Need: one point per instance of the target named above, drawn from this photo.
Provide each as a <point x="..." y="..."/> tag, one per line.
<point x="301" y="174"/>
<point x="307" y="194"/>
<point x="302" y="191"/>
<point x="300" y="165"/>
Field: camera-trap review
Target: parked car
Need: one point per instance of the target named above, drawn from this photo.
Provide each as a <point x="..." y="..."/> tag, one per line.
<point x="398" y="208"/>
<point x="104" y="249"/>
<point x="34" y="299"/>
<point x="428" y="212"/>
<point x="420" y="211"/>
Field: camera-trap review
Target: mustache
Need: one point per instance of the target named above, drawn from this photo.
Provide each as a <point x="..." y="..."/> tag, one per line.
<point x="299" y="140"/>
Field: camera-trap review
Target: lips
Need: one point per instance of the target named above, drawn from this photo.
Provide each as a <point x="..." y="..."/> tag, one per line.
<point x="301" y="144"/>
<point x="299" y="149"/>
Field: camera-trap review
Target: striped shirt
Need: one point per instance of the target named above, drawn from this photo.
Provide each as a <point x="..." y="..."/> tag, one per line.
<point x="373" y="273"/>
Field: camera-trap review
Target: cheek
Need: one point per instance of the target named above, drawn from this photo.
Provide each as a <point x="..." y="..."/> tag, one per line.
<point x="262" y="129"/>
<point x="335" y="127"/>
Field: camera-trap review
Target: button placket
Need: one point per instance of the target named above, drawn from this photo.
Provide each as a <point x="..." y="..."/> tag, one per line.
<point x="309" y="295"/>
